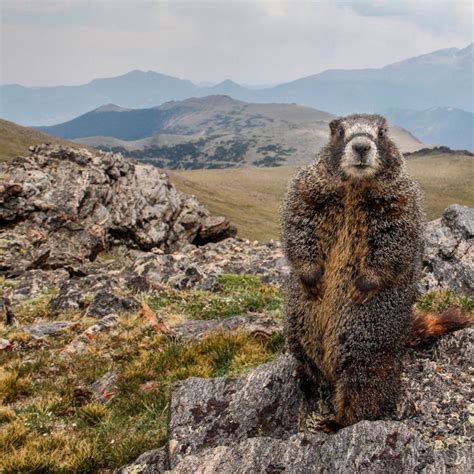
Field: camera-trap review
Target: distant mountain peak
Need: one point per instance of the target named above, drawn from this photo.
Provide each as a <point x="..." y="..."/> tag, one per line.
<point x="440" y="56"/>
<point x="139" y="72"/>
<point x="228" y="82"/>
<point x="139" y="75"/>
<point x="110" y="108"/>
<point x="467" y="51"/>
<point x="228" y="85"/>
<point x="442" y="77"/>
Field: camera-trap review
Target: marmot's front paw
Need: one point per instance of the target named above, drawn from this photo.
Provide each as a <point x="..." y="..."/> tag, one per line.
<point x="363" y="290"/>
<point x="327" y="426"/>
<point x="312" y="282"/>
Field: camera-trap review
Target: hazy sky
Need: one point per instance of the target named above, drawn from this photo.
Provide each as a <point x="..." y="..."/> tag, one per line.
<point x="45" y="42"/>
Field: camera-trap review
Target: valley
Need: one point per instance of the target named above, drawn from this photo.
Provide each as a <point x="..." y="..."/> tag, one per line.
<point x="250" y="197"/>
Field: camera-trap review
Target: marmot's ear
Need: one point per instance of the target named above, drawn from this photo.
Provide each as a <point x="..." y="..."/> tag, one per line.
<point x="334" y="125"/>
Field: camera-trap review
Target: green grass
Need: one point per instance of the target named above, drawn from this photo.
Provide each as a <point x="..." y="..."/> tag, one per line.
<point x="442" y="299"/>
<point x="238" y="295"/>
<point x="33" y="308"/>
<point x="250" y="197"/>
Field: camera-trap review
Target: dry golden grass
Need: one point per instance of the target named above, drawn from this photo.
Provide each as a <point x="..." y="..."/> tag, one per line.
<point x="15" y="140"/>
<point x="446" y="179"/>
<point x="250" y="197"/>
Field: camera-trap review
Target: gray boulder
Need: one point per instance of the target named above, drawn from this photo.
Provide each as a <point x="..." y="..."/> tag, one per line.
<point x="43" y="329"/>
<point x="222" y="411"/>
<point x="105" y="302"/>
<point x="449" y="251"/>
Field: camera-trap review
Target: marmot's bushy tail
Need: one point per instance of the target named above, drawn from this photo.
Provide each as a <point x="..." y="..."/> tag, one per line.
<point x="427" y="326"/>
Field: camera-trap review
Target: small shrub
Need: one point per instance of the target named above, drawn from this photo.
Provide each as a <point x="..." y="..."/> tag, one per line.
<point x="92" y="414"/>
<point x="439" y="300"/>
<point x="13" y="385"/>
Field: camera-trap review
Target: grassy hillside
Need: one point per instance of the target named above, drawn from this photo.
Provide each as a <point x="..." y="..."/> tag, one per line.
<point x="250" y="197"/>
<point x="214" y="132"/>
<point x="15" y="140"/>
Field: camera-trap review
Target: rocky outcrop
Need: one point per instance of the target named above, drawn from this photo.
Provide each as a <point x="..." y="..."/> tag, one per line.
<point x="260" y="423"/>
<point x="364" y="448"/>
<point x="449" y="251"/>
<point x="60" y="207"/>
<point x="197" y="268"/>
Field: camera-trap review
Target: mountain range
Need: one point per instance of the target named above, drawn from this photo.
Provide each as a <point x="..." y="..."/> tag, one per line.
<point x="447" y="126"/>
<point x="439" y="79"/>
<point x="210" y="132"/>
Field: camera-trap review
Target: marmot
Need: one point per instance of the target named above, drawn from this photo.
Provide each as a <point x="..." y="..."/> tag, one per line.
<point x="352" y="226"/>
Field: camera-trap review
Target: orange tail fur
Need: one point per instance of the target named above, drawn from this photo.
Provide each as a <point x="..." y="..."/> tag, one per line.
<point x="426" y="326"/>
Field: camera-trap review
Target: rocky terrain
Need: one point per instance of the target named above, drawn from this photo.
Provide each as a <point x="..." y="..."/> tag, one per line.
<point x="134" y="321"/>
<point x="61" y="207"/>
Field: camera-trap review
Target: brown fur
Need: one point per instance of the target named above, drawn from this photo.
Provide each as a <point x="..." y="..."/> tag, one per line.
<point x="354" y="241"/>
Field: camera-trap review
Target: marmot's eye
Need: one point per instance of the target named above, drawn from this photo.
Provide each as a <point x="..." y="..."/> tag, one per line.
<point x="341" y="132"/>
<point x="381" y="132"/>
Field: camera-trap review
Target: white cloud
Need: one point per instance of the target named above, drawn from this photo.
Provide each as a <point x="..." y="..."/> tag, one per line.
<point x="72" y="42"/>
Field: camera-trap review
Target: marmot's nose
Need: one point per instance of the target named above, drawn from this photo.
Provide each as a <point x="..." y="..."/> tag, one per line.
<point x="361" y="149"/>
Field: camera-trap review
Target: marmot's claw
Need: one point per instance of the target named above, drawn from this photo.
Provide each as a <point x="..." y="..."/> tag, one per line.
<point x="363" y="290"/>
<point x="328" y="426"/>
<point x="314" y="291"/>
<point x="300" y="371"/>
<point x="312" y="283"/>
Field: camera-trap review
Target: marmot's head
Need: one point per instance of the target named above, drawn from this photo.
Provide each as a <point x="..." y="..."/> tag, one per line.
<point x="360" y="148"/>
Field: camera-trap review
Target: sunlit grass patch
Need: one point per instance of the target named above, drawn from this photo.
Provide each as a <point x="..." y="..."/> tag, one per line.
<point x="93" y="414"/>
<point x="6" y="284"/>
<point x="34" y="308"/>
<point x="238" y="294"/>
<point x="13" y="383"/>
<point x="440" y="300"/>
<point x="6" y="415"/>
